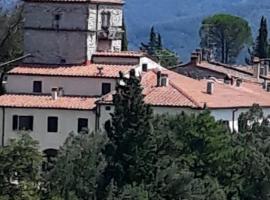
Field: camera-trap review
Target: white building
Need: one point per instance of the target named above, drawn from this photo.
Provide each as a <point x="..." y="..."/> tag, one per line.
<point x="66" y="85"/>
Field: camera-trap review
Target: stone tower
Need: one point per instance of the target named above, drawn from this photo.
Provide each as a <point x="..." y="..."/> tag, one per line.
<point x="70" y="31"/>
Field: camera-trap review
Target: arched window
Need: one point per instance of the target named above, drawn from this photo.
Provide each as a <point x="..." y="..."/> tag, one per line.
<point x="105" y="20"/>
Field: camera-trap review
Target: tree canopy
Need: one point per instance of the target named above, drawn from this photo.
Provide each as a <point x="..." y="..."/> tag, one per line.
<point x="226" y="35"/>
<point x="155" y="48"/>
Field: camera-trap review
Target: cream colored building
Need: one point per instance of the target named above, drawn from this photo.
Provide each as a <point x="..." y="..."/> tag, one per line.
<point x="67" y="84"/>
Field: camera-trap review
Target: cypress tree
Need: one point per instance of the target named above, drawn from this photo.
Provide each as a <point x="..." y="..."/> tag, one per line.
<point x="124" y="46"/>
<point x="261" y="47"/>
<point x="130" y="153"/>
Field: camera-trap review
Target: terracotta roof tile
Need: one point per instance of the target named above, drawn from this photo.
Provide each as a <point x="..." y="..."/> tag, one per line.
<point x="91" y="70"/>
<point x="46" y="102"/>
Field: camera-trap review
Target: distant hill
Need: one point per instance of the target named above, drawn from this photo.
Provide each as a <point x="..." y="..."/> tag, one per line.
<point x="179" y="20"/>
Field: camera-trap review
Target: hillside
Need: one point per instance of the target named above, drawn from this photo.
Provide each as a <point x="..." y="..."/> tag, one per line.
<point x="179" y="20"/>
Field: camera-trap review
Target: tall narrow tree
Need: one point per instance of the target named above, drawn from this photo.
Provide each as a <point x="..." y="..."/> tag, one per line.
<point x="129" y="152"/>
<point x="124" y="46"/>
<point x="261" y="46"/>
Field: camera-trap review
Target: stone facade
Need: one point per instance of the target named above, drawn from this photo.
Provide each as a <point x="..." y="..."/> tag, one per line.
<point x="69" y="33"/>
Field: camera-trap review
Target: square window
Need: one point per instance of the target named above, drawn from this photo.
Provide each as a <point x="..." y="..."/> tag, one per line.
<point x="144" y="67"/>
<point x="37" y="86"/>
<point x="57" y="17"/>
<point x="52" y="124"/>
<point x="82" y="124"/>
<point x="106" y="88"/>
<point x="22" y="123"/>
<point x="108" y="108"/>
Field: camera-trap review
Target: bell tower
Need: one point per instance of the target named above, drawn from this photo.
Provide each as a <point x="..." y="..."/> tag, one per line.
<point x="70" y="31"/>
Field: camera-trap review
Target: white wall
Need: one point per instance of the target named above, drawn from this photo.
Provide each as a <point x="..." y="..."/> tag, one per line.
<point x="218" y="114"/>
<point x="67" y="123"/>
<point x="72" y="86"/>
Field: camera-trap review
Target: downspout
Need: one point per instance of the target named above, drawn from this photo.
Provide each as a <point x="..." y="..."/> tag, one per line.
<point x="3" y="126"/>
<point x="97" y="117"/>
<point x="233" y="119"/>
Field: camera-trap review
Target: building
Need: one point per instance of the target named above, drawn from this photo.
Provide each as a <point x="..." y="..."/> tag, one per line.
<point x="70" y="31"/>
<point x="67" y="84"/>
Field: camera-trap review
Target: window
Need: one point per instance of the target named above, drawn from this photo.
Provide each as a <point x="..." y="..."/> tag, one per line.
<point x="24" y="123"/>
<point x="106" y="88"/>
<point x="52" y="124"/>
<point x="82" y="124"/>
<point x="144" y="67"/>
<point x="37" y="86"/>
<point x="108" y="108"/>
<point x="105" y="20"/>
<point x="57" y="17"/>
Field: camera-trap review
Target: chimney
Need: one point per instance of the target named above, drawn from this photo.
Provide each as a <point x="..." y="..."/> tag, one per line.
<point x="264" y="84"/>
<point x="199" y="54"/>
<point x="60" y="91"/>
<point x="194" y="59"/>
<point x="54" y="93"/>
<point x="238" y="82"/>
<point x="210" y="87"/>
<point x="162" y="79"/>
<point x="268" y="87"/>
<point x="266" y="67"/>
<point x="256" y="67"/>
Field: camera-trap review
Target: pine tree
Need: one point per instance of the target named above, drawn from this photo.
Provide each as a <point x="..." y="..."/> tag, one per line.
<point x="130" y="151"/>
<point x="124" y="36"/>
<point x="261" y="46"/>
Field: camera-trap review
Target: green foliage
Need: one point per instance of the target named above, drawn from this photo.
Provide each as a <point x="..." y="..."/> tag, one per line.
<point x="203" y="147"/>
<point x="77" y="167"/>
<point x="130" y="150"/>
<point x="11" y="34"/>
<point x="19" y="169"/>
<point x="254" y="138"/>
<point x="124" y="37"/>
<point x="154" y="48"/>
<point x="227" y="35"/>
<point x="261" y="47"/>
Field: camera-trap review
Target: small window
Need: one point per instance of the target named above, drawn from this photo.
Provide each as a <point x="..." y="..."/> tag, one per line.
<point x="37" y="86"/>
<point x="22" y="123"/>
<point x="106" y="88"/>
<point x="82" y="124"/>
<point x="108" y="108"/>
<point x="62" y="61"/>
<point x="144" y="67"/>
<point x="52" y="124"/>
<point x="57" y="17"/>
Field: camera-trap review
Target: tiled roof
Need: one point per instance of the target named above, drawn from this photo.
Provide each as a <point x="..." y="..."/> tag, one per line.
<point x="120" y="54"/>
<point x="183" y="91"/>
<point x="47" y="102"/>
<point x="224" y="96"/>
<point x="91" y="70"/>
<point x="81" y="1"/>
<point x="228" y="70"/>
